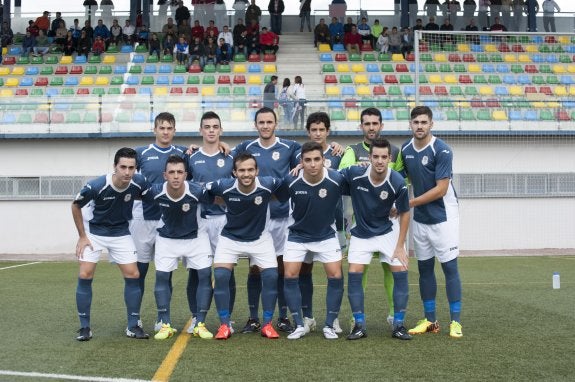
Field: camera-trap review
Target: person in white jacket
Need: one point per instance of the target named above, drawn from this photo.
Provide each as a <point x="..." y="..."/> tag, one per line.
<point x="298" y="95"/>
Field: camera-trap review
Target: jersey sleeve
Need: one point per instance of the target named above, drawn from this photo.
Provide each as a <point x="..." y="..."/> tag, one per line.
<point x="345" y="190"/>
<point x="213" y="188"/>
<point x="86" y="194"/>
<point x="295" y="158"/>
<point x="205" y="197"/>
<point x="348" y="158"/>
<point x="282" y="192"/>
<point x="443" y="167"/>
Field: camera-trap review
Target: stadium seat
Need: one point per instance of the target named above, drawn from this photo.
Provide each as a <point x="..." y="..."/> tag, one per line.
<point x="435" y="79"/>
<point x="208" y="80"/>
<point x="357" y="68"/>
<point x="340" y="56"/>
<point x="454" y="57"/>
<point x="499" y="115"/>
<point x="465" y="79"/>
<point x="238" y="79"/>
<point x="345" y="79"/>
<point x="471" y="91"/>
<point x="468" y="58"/>
<point x="455" y="91"/>
<point x="390" y="79"/>
<point x="474" y="68"/>
<point x="254" y="80"/>
<point x="379" y="90"/>
<point x="360" y="79"/>
<point x="524" y="58"/>
<point x="425" y="90"/>
<point x="255" y="91"/>
<point x="160" y="80"/>
<point x="397" y="57"/>
<point x="405" y="79"/>
<point x="372" y="68"/>
<point x="138" y="59"/>
<point x="348" y="91"/>
<point x="394" y="91"/>
<point x="508" y="79"/>
<point x="332" y="90"/>
<point x="494" y="79"/>
<point x="516" y="91"/>
<point x="87" y="81"/>
<point x="510" y="58"/>
<point x="12" y="82"/>
<point x="133" y="80"/>
<point x="369" y="57"/>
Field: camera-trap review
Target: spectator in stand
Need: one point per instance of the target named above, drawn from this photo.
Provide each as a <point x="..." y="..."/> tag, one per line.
<point x="549" y="7"/>
<point x="56" y="24"/>
<point x="364" y="30"/>
<point x="270" y="93"/>
<point x="253" y="13"/>
<point x="43" y="22"/>
<point x="182" y="13"/>
<point x="506" y="12"/>
<point x="181" y="51"/>
<point x="154" y="45"/>
<point x="42" y="44"/>
<point x="98" y="47"/>
<point x="495" y="8"/>
<point x="84" y="44"/>
<point x="298" y="95"/>
<point x="241" y="43"/>
<point x="469" y="7"/>
<point x="482" y="16"/>
<point x="197" y="53"/>
<point x="447" y="27"/>
<point x="70" y="44"/>
<point x="321" y="33"/>
<point x="352" y="40"/>
<point x="376" y="30"/>
<point x="198" y="30"/>
<point x="347" y="26"/>
<point x="129" y="33"/>
<point x="144" y="35"/>
<point x="276" y="8"/>
<point x="211" y="49"/>
<point x="269" y="40"/>
<point x="382" y="44"/>
<point x="227" y="36"/>
<point x="336" y="31"/>
<point x="212" y="26"/>
<point x="453" y="7"/>
<point x="185" y="30"/>
<point x="239" y="8"/>
<point x="103" y="32"/>
<point x="394" y="41"/>
<point x="304" y="14"/>
<point x="430" y="7"/>
<point x="253" y="27"/>
<point x="115" y="33"/>
<point x="413" y="8"/>
<point x="253" y="42"/>
<point x="139" y="20"/>
<point x="498" y="27"/>
<point x="170" y="28"/>
<point x="406" y="42"/>
<point x="7" y="36"/>
<point x="418" y="25"/>
<point x="89" y="31"/>
<point x="518" y="6"/>
<point x="220" y="12"/>
<point x="168" y="45"/>
<point x="223" y="52"/>
<point x="286" y="103"/>
<point x="432" y="26"/>
<point x="238" y="29"/>
<point x="60" y="35"/>
<point x="32" y="28"/>
<point x="212" y="36"/>
<point x="28" y="44"/>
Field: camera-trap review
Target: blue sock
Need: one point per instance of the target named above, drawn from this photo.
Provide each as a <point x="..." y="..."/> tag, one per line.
<point x="232" y="291"/>
<point x="163" y="296"/>
<point x="222" y="293"/>
<point x="204" y="294"/>
<point x="333" y="298"/>
<point x="427" y="287"/>
<point x="192" y="291"/>
<point x="143" y="269"/>
<point x="282" y="305"/>
<point x="453" y="288"/>
<point x="400" y="297"/>
<point x="306" y="288"/>
<point x="293" y="298"/>
<point x="84" y="301"/>
<point x="133" y="300"/>
<point x="269" y="293"/>
<point x="254" y="291"/>
<point x="356" y="296"/>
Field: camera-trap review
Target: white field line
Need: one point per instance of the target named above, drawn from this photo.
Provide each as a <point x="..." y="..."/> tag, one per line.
<point x="20" y="265"/>
<point x="67" y="377"/>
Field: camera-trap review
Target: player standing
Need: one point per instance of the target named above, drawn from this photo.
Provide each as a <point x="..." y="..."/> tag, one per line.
<point x="112" y="198"/>
<point x="428" y="164"/>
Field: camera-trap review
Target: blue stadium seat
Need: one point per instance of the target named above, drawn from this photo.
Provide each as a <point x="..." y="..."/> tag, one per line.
<point x="150" y="69"/>
<point x="338" y="48"/>
<point x="27" y="81"/>
<point x="163" y="80"/>
<point x="503" y="68"/>
<point x="387" y="115"/>
<point x="348" y="91"/>
<point x="145" y="90"/>
<point x="515" y="115"/>
<point x="326" y="57"/>
<point x="255" y="91"/>
<point x="501" y="90"/>
<point x="531" y="115"/>
<point x="509" y="79"/>
<point x="51" y="92"/>
<point x="165" y="68"/>
<point x="488" y="68"/>
<point x="523" y="79"/>
<point x="567" y="80"/>
<point x="475" y="48"/>
<point x="80" y="59"/>
<point x="372" y="68"/>
<point x="15" y="50"/>
<point x="127" y="49"/>
<point x="178" y="80"/>
<point x="552" y="58"/>
<point x="133" y="80"/>
<point x="569" y="48"/>
<point x="409" y="90"/>
<point x="538" y="58"/>
<point x="335" y="104"/>
<point x="71" y="81"/>
<point x="120" y="69"/>
<point x="138" y="59"/>
<point x="254" y="68"/>
<point x="537" y="39"/>
<point x="32" y="71"/>
<point x="375" y="79"/>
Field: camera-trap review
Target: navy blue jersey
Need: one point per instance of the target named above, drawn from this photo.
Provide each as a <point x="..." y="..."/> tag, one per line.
<point x="151" y="162"/>
<point x="111" y="208"/>
<point x="204" y="168"/>
<point x="276" y="160"/>
<point x="331" y="160"/>
<point x="179" y="217"/>
<point x="247" y="214"/>
<point x="313" y="206"/>
<point x="372" y="203"/>
<point x="424" y="168"/>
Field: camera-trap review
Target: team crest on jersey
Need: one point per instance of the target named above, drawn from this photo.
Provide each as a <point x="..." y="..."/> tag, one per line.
<point x="186" y="207"/>
<point x="258" y="200"/>
<point x="328" y="163"/>
<point x="128" y="197"/>
<point x="383" y="195"/>
<point x="220" y="163"/>
<point x="425" y="160"/>
<point x="322" y="193"/>
<point x="275" y="155"/>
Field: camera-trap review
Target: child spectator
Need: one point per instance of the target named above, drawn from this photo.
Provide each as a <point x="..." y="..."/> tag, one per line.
<point x="154" y="45"/>
<point x="28" y="44"/>
<point x="98" y="47"/>
<point x="84" y="44"/>
<point x="69" y="45"/>
<point x="42" y="44"/>
<point x="383" y="41"/>
<point x="168" y="45"/>
<point x="181" y="51"/>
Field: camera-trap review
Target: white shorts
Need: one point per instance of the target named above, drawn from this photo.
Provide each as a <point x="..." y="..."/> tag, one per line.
<point x="121" y="249"/>
<point x="260" y="252"/>
<point x="213" y="224"/>
<point x="437" y="240"/>
<point x="326" y="251"/>
<point x="144" y="233"/>
<point x="195" y="252"/>
<point x="361" y="250"/>
<point x="278" y="228"/>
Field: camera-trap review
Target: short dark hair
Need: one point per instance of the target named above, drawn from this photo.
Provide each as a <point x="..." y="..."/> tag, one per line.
<point x="164" y="116"/>
<point x="242" y="157"/>
<point x="273" y="78"/>
<point x="381" y="143"/>
<point x="264" y="110"/>
<point x="210" y="115"/>
<point x="421" y="110"/>
<point x="310" y="146"/>
<point x="124" y="152"/>
<point x="371" y="111"/>
<point x="318" y="117"/>
<point x="175" y="159"/>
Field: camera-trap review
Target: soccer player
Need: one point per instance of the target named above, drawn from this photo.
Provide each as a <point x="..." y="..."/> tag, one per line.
<point x="112" y="198"/>
<point x="179" y="236"/>
<point x="314" y="195"/>
<point x="371" y="126"/>
<point x="374" y="191"/>
<point x="247" y="198"/>
<point x="208" y="164"/>
<point x="428" y="164"/>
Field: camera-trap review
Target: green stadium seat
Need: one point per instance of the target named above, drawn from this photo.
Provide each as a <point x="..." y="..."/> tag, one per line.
<point x="22" y="60"/>
<point x="114" y="91"/>
<point x="193" y="80"/>
<point x="455" y="90"/>
<point x="90" y="117"/>
<point x="51" y="60"/>
<point x="223" y="91"/>
<point x="369" y="57"/>
<point x="494" y="79"/>
<point x="148" y="80"/>
<point x="46" y="71"/>
<point x="479" y="79"/>
<point x="355" y="57"/>
<point x="552" y="80"/>
<point x="73" y="117"/>
<point x="210" y="68"/>
<point x="345" y="79"/>
<point x="135" y="69"/>
<point x="328" y="68"/>
<point x="445" y="68"/>
<point x="209" y="80"/>
<point x="91" y="69"/>
<point x="105" y="69"/>
<point x="517" y="69"/>
<point x="565" y="59"/>
<point x="471" y="91"/>
<point x="224" y="69"/>
<point x="423" y="79"/>
<point x="546" y="115"/>
<point x="152" y="59"/>
<point x="430" y="68"/>
<point x="425" y="57"/>
<point x="337" y="115"/>
<point x="384" y="57"/>
<point x="141" y="48"/>
<point x="482" y="57"/>
<point x="112" y="48"/>
<point x="98" y="91"/>
<point x="496" y="57"/>
<point x="402" y="115"/>
<point x="405" y="79"/>
<point x="538" y="80"/>
<point x="168" y="58"/>
<point x="459" y="68"/>
<point x="544" y="68"/>
<point x="37" y="92"/>
<point x="387" y="68"/>
<point x="239" y="91"/>
<point x="467" y="115"/>
<point x="394" y="91"/>
<point x="239" y="58"/>
<point x="37" y="60"/>
<point x="57" y="81"/>
<point x="68" y="92"/>
<point x="484" y="115"/>
<point x="117" y="80"/>
<point x="452" y="115"/>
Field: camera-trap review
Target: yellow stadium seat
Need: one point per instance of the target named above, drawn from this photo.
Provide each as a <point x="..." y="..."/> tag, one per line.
<point x="559" y="69"/>
<point x="450" y="79"/>
<point x="563" y="40"/>
<point x="254" y="79"/>
<point x="363" y="90"/>
<point x="360" y="79"/>
<point x="572" y="90"/>
<point x="499" y="115"/>
<point x="4" y="50"/>
<point x="18" y="70"/>
<point x="208" y="91"/>
<point x="332" y="90"/>
<point x="92" y="106"/>
<point x="12" y="82"/>
<point x="239" y="68"/>
<point x="463" y="48"/>
<point x="531" y="49"/>
<point x="239" y="115"/>
<point x="6" y="93"/>
<point x="474" y="68"/>
<point x="357" y="68"/>
<point x="440" y="57"/>
<point x="524" y="58"/>
<point x="353" y="115"/>
<point x="539" y="104"/>
<point x="324" y="48"/>
<point x="510" y="58"/>
<point x="435" y="79"/>
<point x="66" y="60"/>
<point x="397" y="57"/>
<point x="270" y="68"/>
<point x="86" y="81"/>
<point x="560" y="91"/>
<point x="553" y="105"/>
<point x="516" y="90"/>
<point x="109" y="59"/>
<point x="160" y="91"/>
<point x="4" y="71"/>
<point x="102" y="80"/>
<point x="570" y="68"/>
<point x="490" y="48"/>
<point x="341" y="68"/>
<point x="486" y="90"/>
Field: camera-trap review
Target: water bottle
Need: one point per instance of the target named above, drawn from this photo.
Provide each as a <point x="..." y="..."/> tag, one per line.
<point x="556" y="280"/>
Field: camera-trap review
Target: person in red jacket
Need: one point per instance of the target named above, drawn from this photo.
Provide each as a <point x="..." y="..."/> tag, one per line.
<point x="269" y="40"/>
<point x="352" y="40"/>
<point x="198" y="30"/>
<point x="43" y="22"/>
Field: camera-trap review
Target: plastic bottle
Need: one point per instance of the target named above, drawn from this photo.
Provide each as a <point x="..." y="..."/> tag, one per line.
<point x="556" y="280"/>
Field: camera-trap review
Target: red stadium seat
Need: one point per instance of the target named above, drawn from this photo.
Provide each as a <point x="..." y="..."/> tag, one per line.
<point x="224" y="80"/>
<point x="366" y="47"/>
<point x="62" y="69"/>
<point x="390" y="79"/>
<point x="379" y="90"/>
<point x="517" y="48"/>
<point x="550" y="40"/>
<point x="192" y="90"/>
<point x="330" y="79"/>
<point x="76" y="69"/>
<point x="562" y="115"/>
<point x="401" y="68"/>
<point x="425" y="90"/>
<point x="410" y="57"/>
<point x="176" y="91"/>
<point x="269" y="57"/>
<point x="465" y="79"/>
<point x="83" y="91"/>
<point x="9" y="60"/>
<point x="239" y="79"/>
<point x="21" y="92"/>
<point x="254" y="57"/>
<point x="492" y="102"/>
<point x="130" y="91"/>
<point x="468" y="57"/>
<point x="341" y="57"/>
<point x="350" y="103"/>
<point x="477" y="102"/>
<point x="440" y="90"/>
<point x="454" y="57"/>
<point x="530" y="90"/>
<point x="195" y="69"/>
<point x="503" y="48"/>
<point x="531" y="69"/>
<point x="546" y="90"/>
<point x="41" y="81"/>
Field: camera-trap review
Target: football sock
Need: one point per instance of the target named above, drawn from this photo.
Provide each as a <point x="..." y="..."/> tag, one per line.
<point x="222" y="293"/>
<point x="282" y="305"/>
<point x="388" y="285"/>
<point x="306" y="288"/>
<point x="269" y="293"/>
<point x="293" y="298"/>
<point x="364" y="278"/>
<point x="143" y="269"/>
<point x="427" y="287"/>
<point x="204" y="294"/>
<point x="192" y="290"/>
<point x="84" y="301"/>
<point x="232" y="291"/>
<point x="133" y="300"/>
<point x="356" y="297"/>
<point x="333" y="298"/>
<point x="254" y="291"/>
<point x="400" y="297"/>
<point x="163" y="296"/>
<point x="453" y="288"/>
